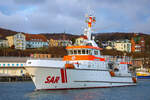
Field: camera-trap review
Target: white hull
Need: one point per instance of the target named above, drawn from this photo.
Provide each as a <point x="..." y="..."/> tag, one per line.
<point x="57" y="78"/>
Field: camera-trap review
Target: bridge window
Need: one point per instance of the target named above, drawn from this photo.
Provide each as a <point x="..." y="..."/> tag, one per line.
<point x="71" y="51"/>
<point x="87" y="52"/>
<point x="75" y="51"/>
<point x="95" y="52"/>
<point x="0" y="64"/>
<point x="8" y="64"/>
<point x="79" y="51"/>
<point x="83" y="51"/>
<point x="90" y="52"/>
<point x="12" y="64"/>
<point x="3" y="64"/>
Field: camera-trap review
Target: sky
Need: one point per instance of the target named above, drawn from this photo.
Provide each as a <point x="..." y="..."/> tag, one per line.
<point x="55" y="16"/>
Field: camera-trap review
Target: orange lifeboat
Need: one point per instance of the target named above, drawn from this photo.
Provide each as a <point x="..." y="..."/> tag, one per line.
<point x="69" y="66"/>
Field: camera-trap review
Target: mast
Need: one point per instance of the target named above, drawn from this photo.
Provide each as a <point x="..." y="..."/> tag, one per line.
<point x="90" y="20"/>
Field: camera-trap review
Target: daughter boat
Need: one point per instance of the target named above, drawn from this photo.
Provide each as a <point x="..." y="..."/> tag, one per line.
<point x="143" y="73"/>
<point x="83" y="67"/>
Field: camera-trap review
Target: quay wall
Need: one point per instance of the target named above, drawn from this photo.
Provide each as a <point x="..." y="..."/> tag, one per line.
<point x="14" y="66"/>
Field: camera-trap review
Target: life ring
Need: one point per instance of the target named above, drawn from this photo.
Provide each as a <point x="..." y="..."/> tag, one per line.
<point x="69" y="66"/>
<point x="112" y="73"/>
<point x="134" y="80"/>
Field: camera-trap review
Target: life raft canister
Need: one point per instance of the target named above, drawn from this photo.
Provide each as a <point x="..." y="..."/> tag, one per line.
<point x="134" y="80"/>
<point x="112" y="73"/>
<point x="69" y="66"/>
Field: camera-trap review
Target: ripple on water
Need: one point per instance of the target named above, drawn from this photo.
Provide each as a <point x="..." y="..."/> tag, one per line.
<point x="25" y="91"/>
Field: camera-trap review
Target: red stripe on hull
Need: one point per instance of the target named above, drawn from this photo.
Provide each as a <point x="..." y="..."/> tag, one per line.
<point x="65" y="75"/>
<point x="62" y="75"/>
<point x="85" y="87"/>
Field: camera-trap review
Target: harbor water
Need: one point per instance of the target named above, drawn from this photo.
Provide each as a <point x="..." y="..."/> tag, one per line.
<point x="25" y="91"/>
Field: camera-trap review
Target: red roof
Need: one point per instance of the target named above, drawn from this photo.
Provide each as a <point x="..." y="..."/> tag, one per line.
<point x="84" y="37"/>
<point x="35" y="37"/>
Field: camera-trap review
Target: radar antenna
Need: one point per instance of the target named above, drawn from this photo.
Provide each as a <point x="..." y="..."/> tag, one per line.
<point x="90" y="20"/>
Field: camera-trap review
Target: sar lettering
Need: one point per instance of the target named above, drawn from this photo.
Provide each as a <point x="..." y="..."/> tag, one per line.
<point x="52" y="79"/>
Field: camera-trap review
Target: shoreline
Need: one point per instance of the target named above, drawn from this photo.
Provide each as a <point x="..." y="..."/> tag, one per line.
<point x="15" y="78"/>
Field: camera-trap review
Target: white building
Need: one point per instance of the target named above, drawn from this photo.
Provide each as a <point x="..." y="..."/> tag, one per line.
<point x="108" y="44"/>
<point x="36" y="41"/>
<point x="20" y="41"/>
<point x="3" y="43"/>
<point x="122" y="45"/>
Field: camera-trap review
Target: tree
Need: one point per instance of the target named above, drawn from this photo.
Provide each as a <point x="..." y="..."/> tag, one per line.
<point x="12" y="47"/>
<point x="73" y="40"/>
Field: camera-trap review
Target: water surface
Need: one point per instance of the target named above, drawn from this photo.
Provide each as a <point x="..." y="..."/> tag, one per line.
<point x="25" y="91"/>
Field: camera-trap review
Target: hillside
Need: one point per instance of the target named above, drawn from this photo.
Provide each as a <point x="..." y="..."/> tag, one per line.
<point x="58" y="36"/>
<point x="66" y="36"/>
<point x="98" y="36"/>
<point x="117" y="36"/>
<point x="6" y="32"/>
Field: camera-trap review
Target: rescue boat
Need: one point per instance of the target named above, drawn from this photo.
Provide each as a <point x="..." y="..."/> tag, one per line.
<point x="143" y="73"/>
<point x="83" y="67"/>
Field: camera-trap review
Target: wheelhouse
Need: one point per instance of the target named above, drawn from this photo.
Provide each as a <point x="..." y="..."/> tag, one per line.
<point x="82" y="52"/>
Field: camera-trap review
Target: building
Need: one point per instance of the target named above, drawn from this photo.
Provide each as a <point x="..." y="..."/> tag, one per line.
<point x="12" y="66"/>
<point x="137" y="44"/>
<point x="3" y="42"/>
<point x="122" y="45"/>
<point x="80" y="40"/>
<point x="59" y="42"/>
<point x="23" y="41"/>
<point x="54" y="43"/>
<point x="20" y="41"/>
<point x="35" y="41"/>
<point x="10" y="40"/>
<point x="108" y="44"/>
<point x="108" y="47"/>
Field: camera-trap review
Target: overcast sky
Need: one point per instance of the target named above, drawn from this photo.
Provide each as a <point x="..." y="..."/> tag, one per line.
<point x="40" y="16"/>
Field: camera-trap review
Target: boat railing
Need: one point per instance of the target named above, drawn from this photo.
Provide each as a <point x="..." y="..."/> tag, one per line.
<point x="59" y="59"/>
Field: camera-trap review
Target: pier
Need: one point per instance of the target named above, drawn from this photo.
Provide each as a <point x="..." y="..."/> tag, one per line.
<point x="12" y="68"/>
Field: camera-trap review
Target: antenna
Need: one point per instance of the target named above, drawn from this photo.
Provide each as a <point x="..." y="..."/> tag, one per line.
<point x="89" y="20"/>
